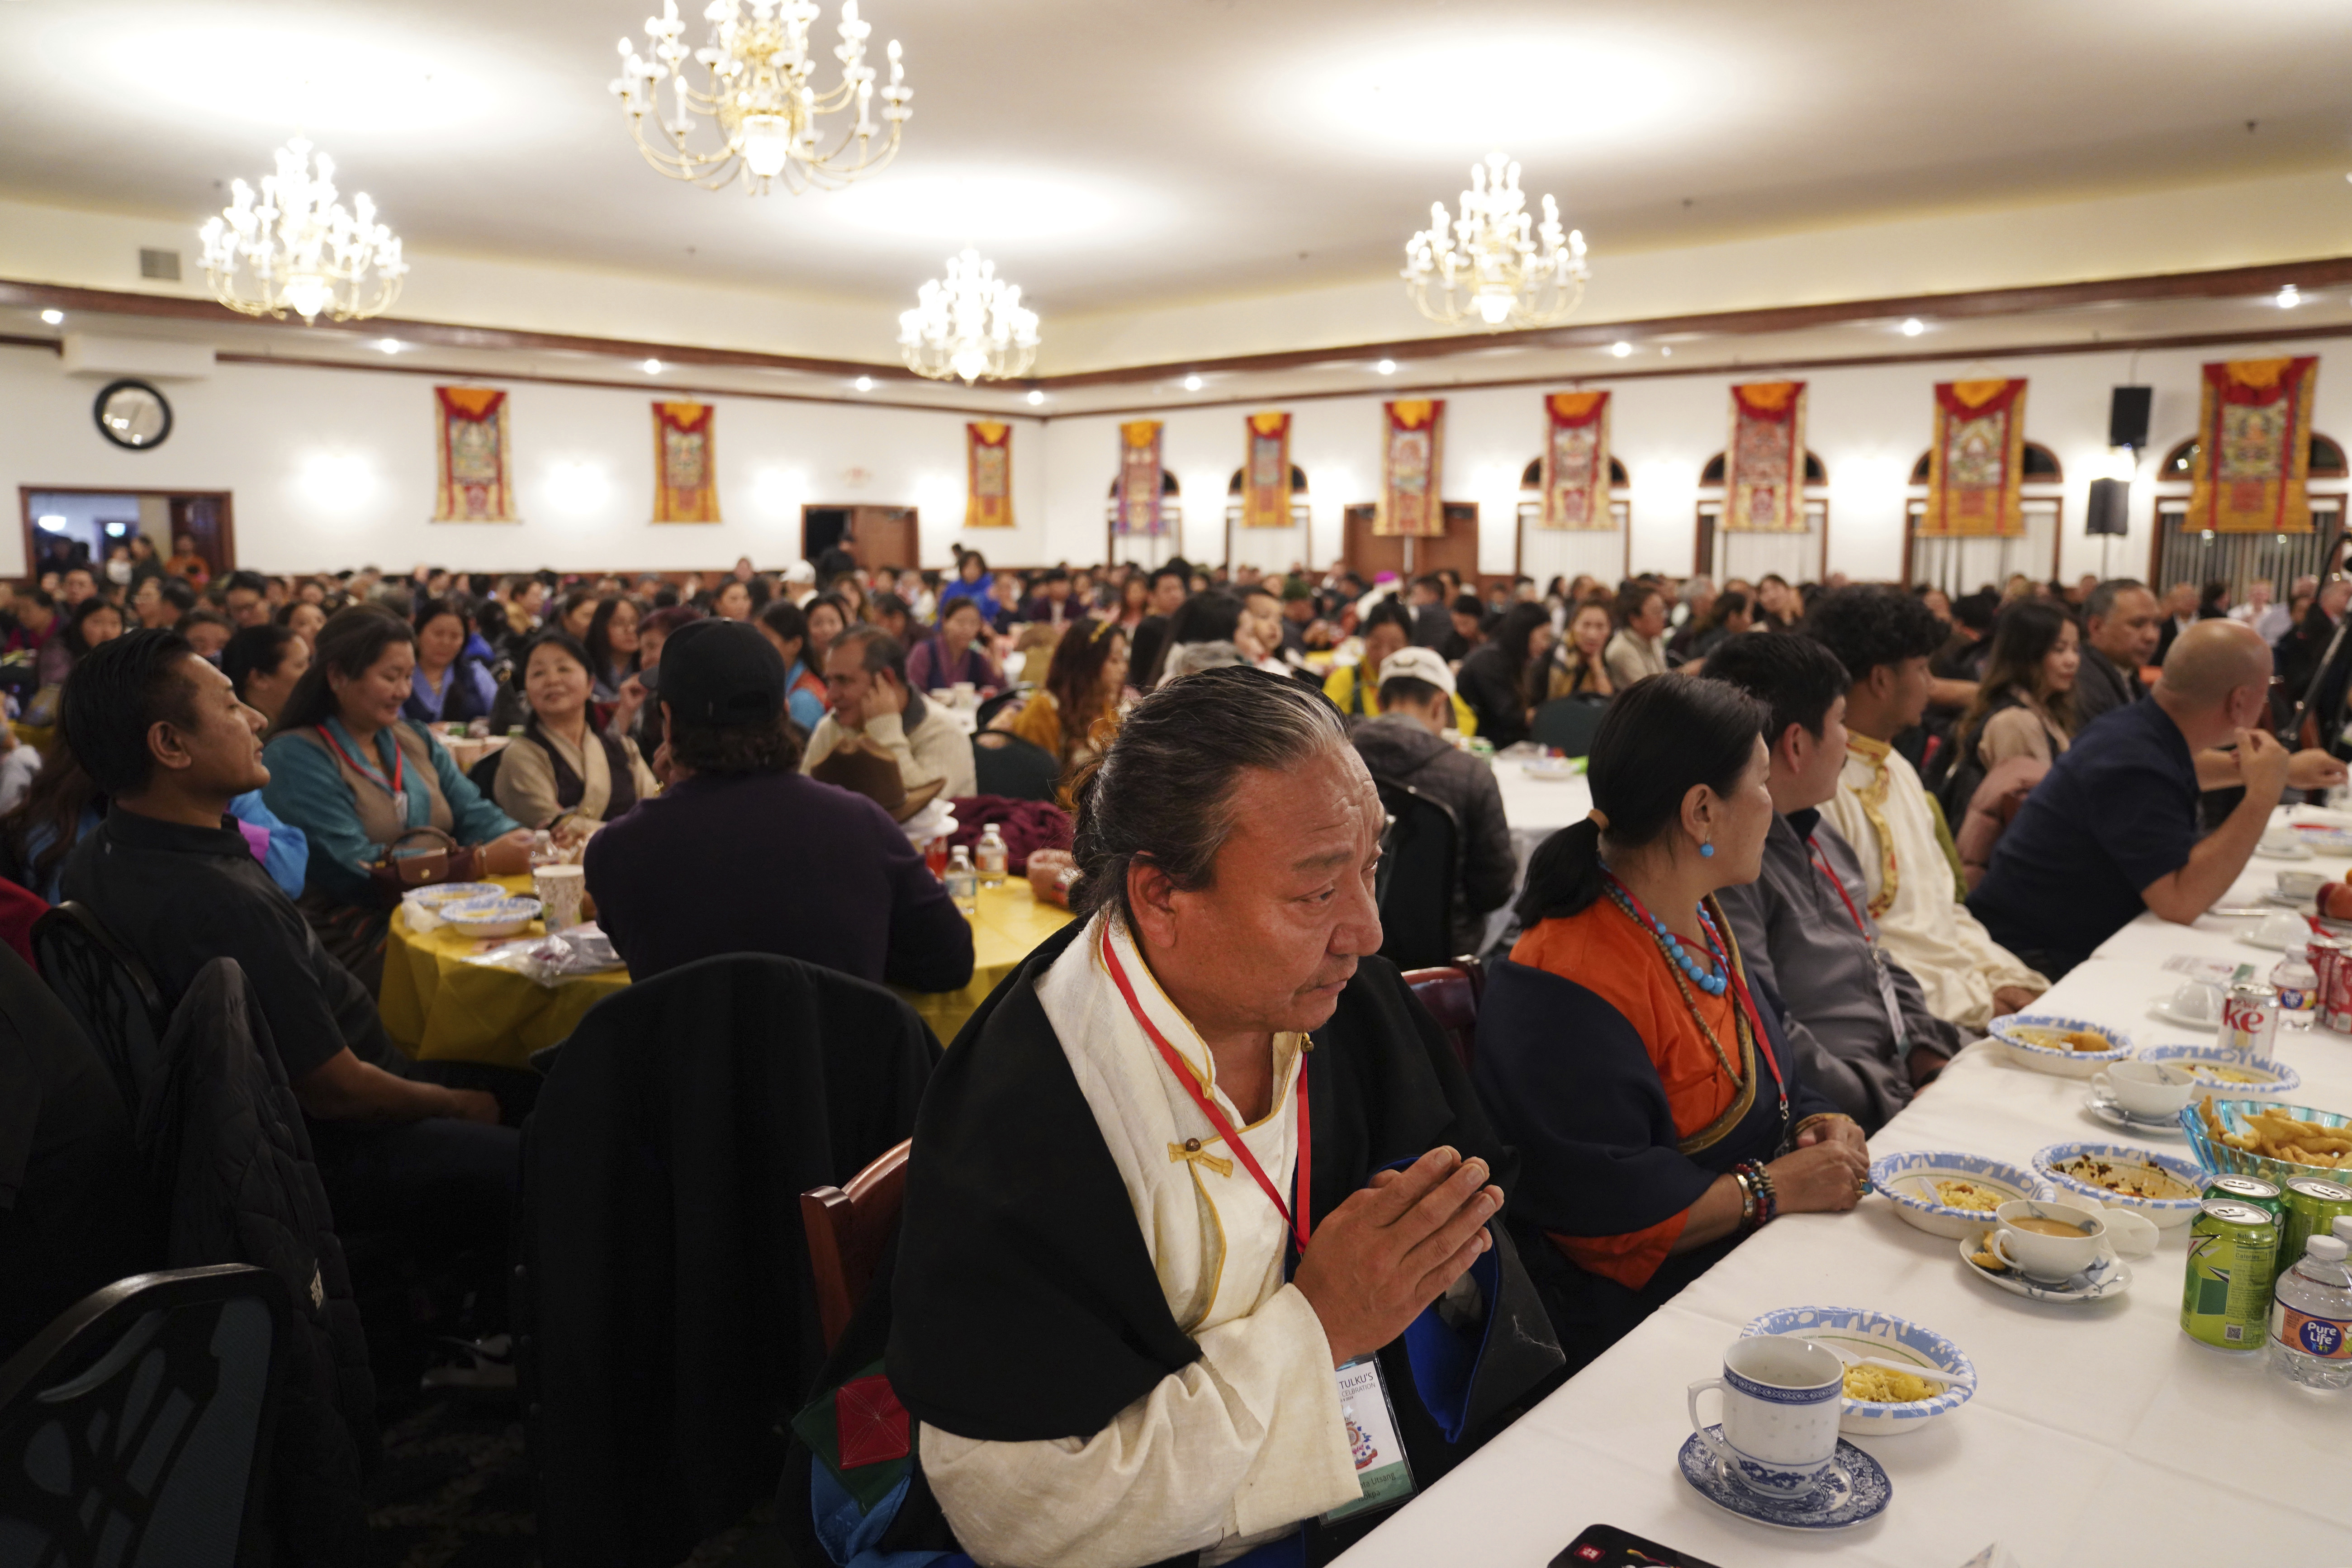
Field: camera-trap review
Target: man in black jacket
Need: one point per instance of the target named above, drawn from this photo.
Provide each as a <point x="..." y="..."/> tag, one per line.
<point x="1406" y="744"/>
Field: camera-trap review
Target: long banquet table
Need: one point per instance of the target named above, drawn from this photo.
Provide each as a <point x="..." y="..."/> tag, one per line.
<point x="2099" y="1434"/>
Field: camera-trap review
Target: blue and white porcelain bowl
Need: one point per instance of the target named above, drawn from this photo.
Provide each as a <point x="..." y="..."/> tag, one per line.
<point x="2026" y="1037"/>
<point x="1853" y="1332"/>
<point x="1908" y="1180"/>
<point x="2127" y="1162"/>
<point x="501" y="916"/>
<point x="2214" y="1065"/>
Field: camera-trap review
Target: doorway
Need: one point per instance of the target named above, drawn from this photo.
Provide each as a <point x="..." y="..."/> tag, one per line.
<point x="73" y="526"/>
<point x="874" y="535"/>
<point x="1368" y="554"/>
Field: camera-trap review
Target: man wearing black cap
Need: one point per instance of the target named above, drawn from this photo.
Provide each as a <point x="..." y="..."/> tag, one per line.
<point x="741" y="853"/>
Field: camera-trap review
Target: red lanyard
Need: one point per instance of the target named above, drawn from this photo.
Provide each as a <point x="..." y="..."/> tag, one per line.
<point x="1730" y="970"/>
<point x="1821" y="864"/>
<point x="1190" y="1080"/>
<point x="372" y="775"/>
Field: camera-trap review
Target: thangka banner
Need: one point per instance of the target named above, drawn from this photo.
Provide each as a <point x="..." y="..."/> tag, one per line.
<point x="1411" y="454"/>
<point x="2253" y="447"/>
<point x="1576" y="461"/>
<point x="1977" y="461"/>
<point x="1139" y="472"/>
<point x="988" y="467"/>
<point x="474" y="476"/>
<point x="686" y="477"/>
<point x="1266" y="471"/>
<point x="1764" y="460"/>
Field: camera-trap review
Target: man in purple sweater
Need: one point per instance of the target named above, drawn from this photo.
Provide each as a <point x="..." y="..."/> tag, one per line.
<point x="741" y="853"/>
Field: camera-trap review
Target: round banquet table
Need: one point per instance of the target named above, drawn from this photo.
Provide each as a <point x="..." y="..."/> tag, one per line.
<point x="1535" y="808"/>
<point x="2099" y="1433"/>
<point x="438" y="1008"/>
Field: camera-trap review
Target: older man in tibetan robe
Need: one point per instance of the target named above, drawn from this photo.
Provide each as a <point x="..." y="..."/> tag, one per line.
<point x="1201" y="1260"/>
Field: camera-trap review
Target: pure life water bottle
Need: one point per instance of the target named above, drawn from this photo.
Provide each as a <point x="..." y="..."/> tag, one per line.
<point x="2311" y="1320"/>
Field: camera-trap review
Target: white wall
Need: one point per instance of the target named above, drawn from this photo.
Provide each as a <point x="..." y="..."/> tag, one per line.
<point x="333" y="467"/>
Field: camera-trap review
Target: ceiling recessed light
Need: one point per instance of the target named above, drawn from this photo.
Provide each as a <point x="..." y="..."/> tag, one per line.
<point x="390" y="345"/>
<point x="53" y="318"/>
<point x="1665" y="353"/>
<point x="1036" y="397"/>
<point x="652" y="367"/>
<point x="1621" y="349"/>
<point x="1386" y="367"/>
<point x="1913" y="326"/>
<point x="864" y="383"/>
<point x="2289" y="297"/>
<point x="1192" y="384"/>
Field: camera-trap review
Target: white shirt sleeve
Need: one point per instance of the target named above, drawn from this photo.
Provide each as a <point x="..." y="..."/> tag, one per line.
<point x="1246" y="1440"/>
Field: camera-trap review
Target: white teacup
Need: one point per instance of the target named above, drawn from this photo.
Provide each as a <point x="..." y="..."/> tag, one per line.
<point x="2150" y="1090"/>
<point x="1783" y="1397"/>
<point x="2198" y="999"/>
<point x="2047" y="1255"/>
<point x="2129" y="1235"/>
<point x="2282" y="841"/>
<point x="2303" y="884"/>
<point x="2283" y="928"/>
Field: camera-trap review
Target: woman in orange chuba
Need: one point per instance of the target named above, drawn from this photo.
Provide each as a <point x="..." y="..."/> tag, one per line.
<point x="1646" y="1084"/>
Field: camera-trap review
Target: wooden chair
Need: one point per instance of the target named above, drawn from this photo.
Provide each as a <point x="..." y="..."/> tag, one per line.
<point x="846" y="1231"/>
<point x="1450" y="994"/>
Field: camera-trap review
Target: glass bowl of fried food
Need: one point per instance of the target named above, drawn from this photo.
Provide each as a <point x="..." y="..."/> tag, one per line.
<point x="2261" y="1138"/>
<point x="2068" y="1048"/>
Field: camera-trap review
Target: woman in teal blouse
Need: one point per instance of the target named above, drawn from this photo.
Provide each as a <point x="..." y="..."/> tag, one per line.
<point x="368" y="786"/>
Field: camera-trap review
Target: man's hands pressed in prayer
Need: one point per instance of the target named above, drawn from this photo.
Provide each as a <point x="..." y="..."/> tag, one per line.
<point x="1388" y="1251"/>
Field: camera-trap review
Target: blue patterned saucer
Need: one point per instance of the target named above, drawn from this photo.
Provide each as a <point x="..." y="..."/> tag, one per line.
<point x="1853" y="1489"/>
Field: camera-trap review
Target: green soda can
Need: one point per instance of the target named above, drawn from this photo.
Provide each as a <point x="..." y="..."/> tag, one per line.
<point x="2225" y="1302"/>
<point x="2313" y="1204"/>
<point x="2264" y="1194"/>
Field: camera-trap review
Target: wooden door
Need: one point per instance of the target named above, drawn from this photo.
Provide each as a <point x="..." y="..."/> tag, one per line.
<point x="205" y="519"/>
<point x="1367" y="554"/>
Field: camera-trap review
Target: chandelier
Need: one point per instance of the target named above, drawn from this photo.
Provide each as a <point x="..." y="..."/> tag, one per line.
<point x="1490" y="266"/>
<point x="755" y="75"/>
<point x="298" y="249"/>
<point x="971" y="325"/>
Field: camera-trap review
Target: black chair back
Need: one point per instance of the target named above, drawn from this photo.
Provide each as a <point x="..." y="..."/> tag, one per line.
<point x="1009" y="766"/>
<point x="128" y="1426"/>
<point x="1569" y="723"/>
<point x="110" y="993"/>
<point x="1414" y="885"/>
<point x="484" y="774"/>
<point x="992" y="706"/>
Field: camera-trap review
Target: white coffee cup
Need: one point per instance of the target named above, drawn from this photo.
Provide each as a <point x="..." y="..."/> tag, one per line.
<point x="1783" y="1397"/>
<point x="2283" y="928"/>
<point x="2302" y="884"/>
<point x="2043" y="1257"/>
<point x="2281" y="840"/>
<point x="2198" y="999"/>
<point x="2150" y="1090"/>
<point x="560" y="889"/>
<point x="2129" y="1235"/>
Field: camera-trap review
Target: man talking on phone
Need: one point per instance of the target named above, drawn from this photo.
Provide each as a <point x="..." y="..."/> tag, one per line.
<point x="1201" y="1260"/>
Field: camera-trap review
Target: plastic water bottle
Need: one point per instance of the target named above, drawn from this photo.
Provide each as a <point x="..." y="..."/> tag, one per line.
<point x="2311" y="1320"/>
<point x="989" y="856"/>
<point x="964" y="883"/>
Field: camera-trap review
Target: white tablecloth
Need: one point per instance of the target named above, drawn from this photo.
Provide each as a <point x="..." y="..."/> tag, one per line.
<point x="2099" y="1434"/>
<point x="1535" y="808"/>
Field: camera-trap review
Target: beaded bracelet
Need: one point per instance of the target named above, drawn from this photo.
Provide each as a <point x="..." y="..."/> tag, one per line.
<point x="1770" y="1199"/>
<point x="1747" y="1198"/>
<point x="1757" y="1183"/>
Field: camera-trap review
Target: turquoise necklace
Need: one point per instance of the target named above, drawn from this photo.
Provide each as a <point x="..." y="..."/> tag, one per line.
<point x="1714" y="984"/>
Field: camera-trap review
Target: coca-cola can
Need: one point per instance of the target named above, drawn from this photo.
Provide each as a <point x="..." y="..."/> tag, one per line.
<point x="2249" y="1020"/>
<point x="2331" y="960"/>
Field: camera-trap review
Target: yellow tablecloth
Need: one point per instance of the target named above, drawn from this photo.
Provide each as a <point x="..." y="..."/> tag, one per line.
<point x="1010" y="925"/>
<point x="438" y="1008"/>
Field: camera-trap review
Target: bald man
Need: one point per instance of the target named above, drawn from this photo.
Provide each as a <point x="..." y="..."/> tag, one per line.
<point x="2113" y="829"/>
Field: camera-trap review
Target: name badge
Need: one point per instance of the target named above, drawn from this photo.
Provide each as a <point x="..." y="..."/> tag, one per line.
<point x="1381" y="1469"/>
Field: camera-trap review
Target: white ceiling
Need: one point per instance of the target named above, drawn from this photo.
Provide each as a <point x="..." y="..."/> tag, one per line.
<point x="1112" y="154"/>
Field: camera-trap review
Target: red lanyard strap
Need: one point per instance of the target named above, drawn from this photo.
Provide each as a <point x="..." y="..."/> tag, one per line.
<point x="1821" y="864"/>
<point x="372" y="775"/>
<point x="1217" y="1119"/>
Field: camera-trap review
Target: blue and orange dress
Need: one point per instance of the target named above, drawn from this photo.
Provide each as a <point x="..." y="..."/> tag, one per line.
<point x="1627" y="1092"/>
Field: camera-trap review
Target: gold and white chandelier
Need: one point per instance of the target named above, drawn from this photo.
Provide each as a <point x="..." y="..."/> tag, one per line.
<point x="755" y="85"/>
<point x="972" y="324"/>
<point x="298" y="249"/>
<point x="1490" y="267"/>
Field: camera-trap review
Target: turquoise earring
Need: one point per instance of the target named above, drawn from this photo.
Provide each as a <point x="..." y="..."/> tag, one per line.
<point x="1706" y="851"/>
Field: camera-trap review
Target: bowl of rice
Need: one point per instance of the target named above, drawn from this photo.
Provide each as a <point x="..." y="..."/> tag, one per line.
<point x="2068" y="1048"/>
<point x="1948" y="1194"/>
<point x="501" y="916"/>
<point x="2165" y="1188"/>
<point x="2219" y="1068"/>
<point x="1879" y="1404"/>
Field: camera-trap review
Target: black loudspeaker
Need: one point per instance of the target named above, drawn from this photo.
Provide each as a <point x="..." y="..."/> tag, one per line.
<point x="2110" y="498"/>
<point x="2127" y="419"/>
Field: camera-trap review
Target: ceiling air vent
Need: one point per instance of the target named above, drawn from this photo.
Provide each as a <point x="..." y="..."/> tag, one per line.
<point x="160" y="264"/>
